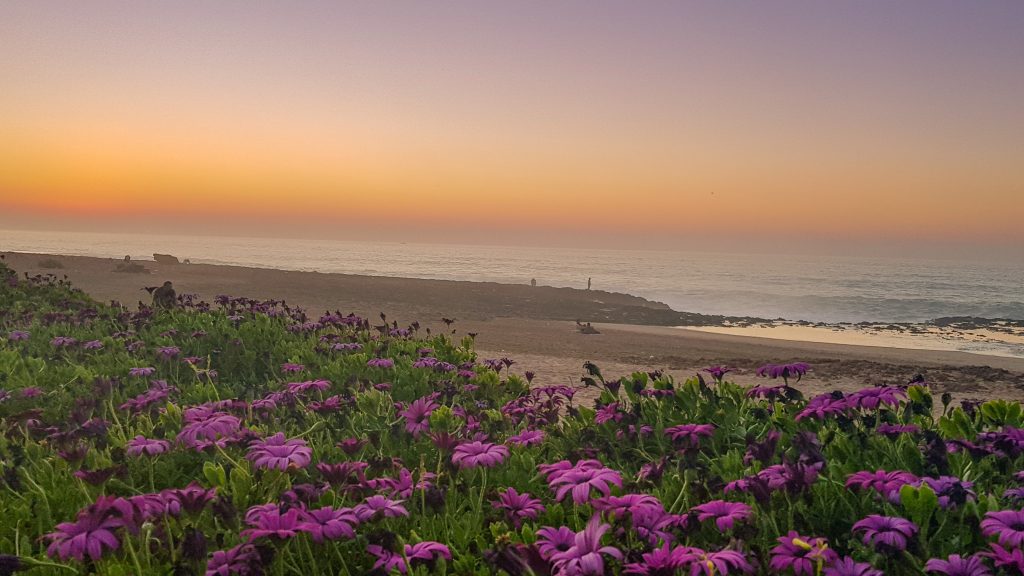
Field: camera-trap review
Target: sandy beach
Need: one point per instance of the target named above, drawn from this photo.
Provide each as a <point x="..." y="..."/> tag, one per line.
<point x="535" y="326"/>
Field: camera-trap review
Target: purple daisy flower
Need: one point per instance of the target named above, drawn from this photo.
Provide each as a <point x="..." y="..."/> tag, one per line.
<point x="271" y="522"/>
<point x="718" y="372"/>
<point x="141" y="372"/>
<point x="804" y="556"/>
<point x="586" y="555"/>
<point x="518" y="507"/>
<point x="581" y="480"/>
<point x="1006" y="558"/>
<point x="894" y="430"/>
<point x="379" y="506"/>
<point x="31" y="392"/>
<point x="719" y="563"/>
<point x="278" y="453"/>
<point x="849" y="567"/>
<point x="527" y="438"/>
<point x="168" y="352"/>
<point x="150" y="447"/>
<point x="1007" y="525"/>
<point x="886" y="532"/>
<point x="784" y="371"/>
<point x="725" y="514"/>
<point x="872" y="398"/>
<point x="473" y="454"/>
<point x="63" y="342"/>
<point x="417" y="415"/>
<point x="16" y="335"/>
<point x="380" y="363"/>
<point x="551" y="541"/>
<point x="291" y="368"/>
<point x="242" y="559"/>
<point x="328" y="523"/>
<point x="957" y="565"/>
<point x="887" y="484"/>
<point x="690" y="434"/>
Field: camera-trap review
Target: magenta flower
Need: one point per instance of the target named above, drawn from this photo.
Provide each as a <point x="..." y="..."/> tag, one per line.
<point x="168" y="352"/>
<point x="887" y="484"/>
<point x="609" y="413"/>
<point x="389" y="561"/>
<point x="291" y="368"/>
<point x="628" y="504"/>
<point x="527" y="438"/>
<point x="16" y="335"/>
<point x="1006" y="558"/>
<point x="957" y="565"/>
<point x="141" y="372"/>
<point x="328" y="523"/>
<point x="894" y="430"/>
<point x="85" y="537"/>
<point x="518" y="507"/>
<point x="150" y="447"/>
<point x="720" y="563"/>
<point x="379" y="506"/>
<point x="804" y="556"/>
<point x="242" y="559"/>
<point x="31" y="392"/>
<point x="92" y="345"/>
<point x="63" y="342"/>
<point x="271" y="522"/>
<point x="849" y="567"/>
<point x="872" y="398"/>
<point x="690" y="434"/>
<point x="784" y="371"/>
<point x="823" y="406"/>
<point x="1007" y="525"/>
<point x="718" y="372"/>
<point x="210" y="427"/>
<point x="93" y="531"/>
<point x="886" y="532"/>
<point x="951" y="490"/>
<point x="586" y="555"/>
<point x="277" y="453"/>
<point x="580" y="481"/>
<point x="427" y="552"/>
<point x="191" y="499"/>
<point x="380" y="363"/>
<point x="307" y="386"/>
<point x="417" y="415"/>
<point x="551" y="541"/>
<point x="473" y="454"/>
<point x="657" y="562"/>
<point x="725" y="514"/>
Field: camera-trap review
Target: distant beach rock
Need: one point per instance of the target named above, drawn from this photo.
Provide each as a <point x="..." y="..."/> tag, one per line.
<point x="166" y="259"/>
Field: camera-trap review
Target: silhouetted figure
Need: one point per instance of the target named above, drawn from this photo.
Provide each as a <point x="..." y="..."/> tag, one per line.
<point x="588" y="283"/>
<point x="127" y="258"/>
<point x="165" y="297"/>
<point x="533" y="282"/>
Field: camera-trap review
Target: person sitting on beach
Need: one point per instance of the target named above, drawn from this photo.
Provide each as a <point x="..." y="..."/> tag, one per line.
<point x="165" y="297"/>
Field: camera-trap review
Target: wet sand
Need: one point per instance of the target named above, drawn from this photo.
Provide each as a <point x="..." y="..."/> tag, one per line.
<point x="535" y="326"/>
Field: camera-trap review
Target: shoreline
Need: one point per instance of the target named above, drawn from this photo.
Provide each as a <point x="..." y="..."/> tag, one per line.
<point x="535" y="326"/>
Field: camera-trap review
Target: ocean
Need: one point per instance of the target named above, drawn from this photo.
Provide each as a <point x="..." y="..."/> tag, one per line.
<point x="791" y="287"/>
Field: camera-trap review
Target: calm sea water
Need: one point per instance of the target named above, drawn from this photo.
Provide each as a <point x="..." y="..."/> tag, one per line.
<point x="814" y="288"/>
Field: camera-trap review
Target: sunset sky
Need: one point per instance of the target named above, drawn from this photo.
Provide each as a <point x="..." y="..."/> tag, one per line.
<point x="839" y="122"/>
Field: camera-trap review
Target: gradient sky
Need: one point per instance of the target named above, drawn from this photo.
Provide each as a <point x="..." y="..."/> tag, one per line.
<point x="842" y="122"/>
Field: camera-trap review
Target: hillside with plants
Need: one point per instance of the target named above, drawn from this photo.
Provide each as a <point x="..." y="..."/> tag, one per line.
<point x="251" y="437"/>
